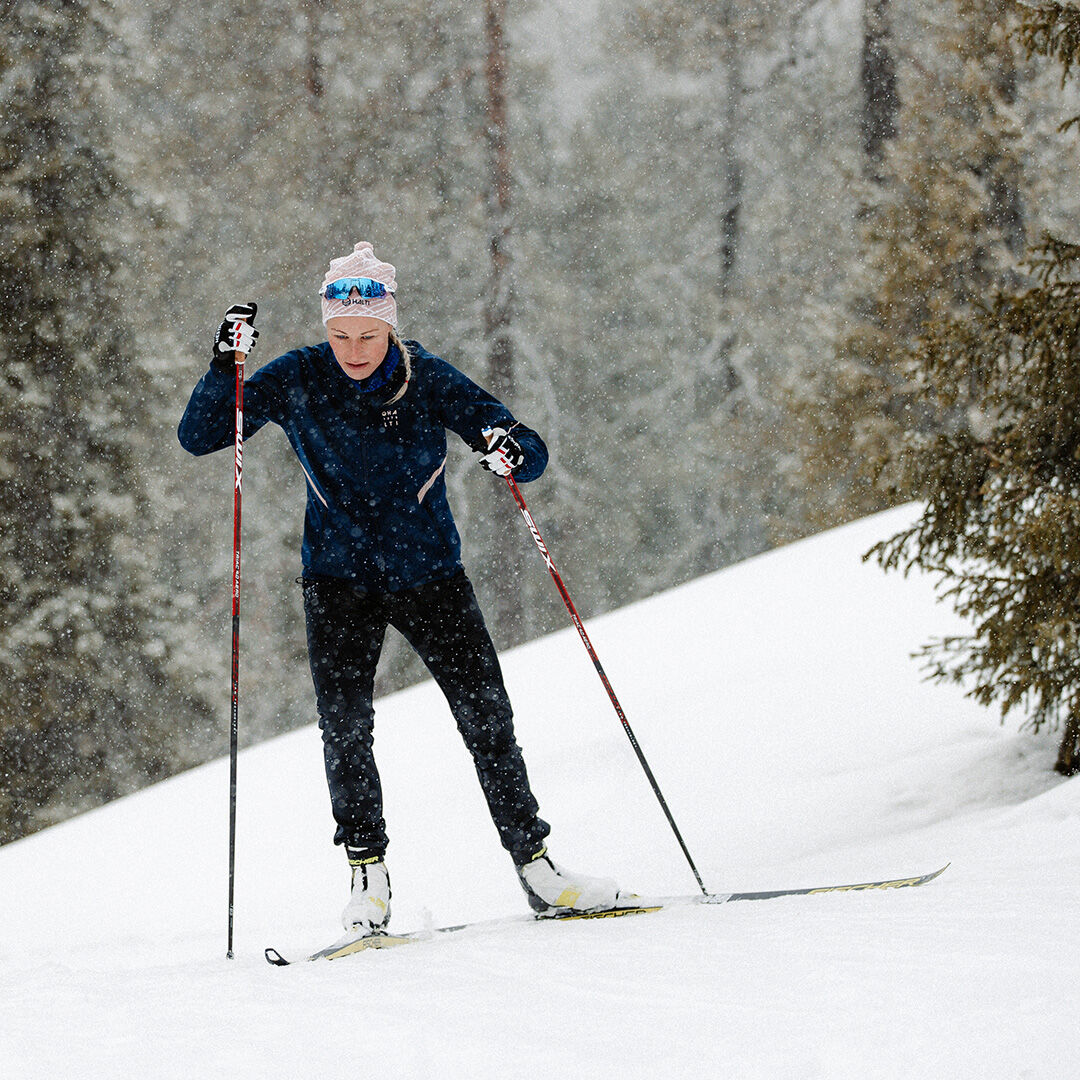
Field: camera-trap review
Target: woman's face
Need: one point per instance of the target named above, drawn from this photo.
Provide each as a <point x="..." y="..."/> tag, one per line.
<point x="359" y="343"/>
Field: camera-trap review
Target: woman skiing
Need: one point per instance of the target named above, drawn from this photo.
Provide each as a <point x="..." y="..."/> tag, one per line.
<point x="366" y="414"/>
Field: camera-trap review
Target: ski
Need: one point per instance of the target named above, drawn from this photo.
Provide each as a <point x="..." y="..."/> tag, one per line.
<point x="892" y="883"/>
<point x="350" y="944"/>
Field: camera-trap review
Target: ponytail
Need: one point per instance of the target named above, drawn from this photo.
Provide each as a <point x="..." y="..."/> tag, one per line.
<point x="406" y="360"/>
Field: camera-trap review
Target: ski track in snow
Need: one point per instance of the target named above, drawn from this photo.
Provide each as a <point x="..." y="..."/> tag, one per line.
<point x="792" y="734"/>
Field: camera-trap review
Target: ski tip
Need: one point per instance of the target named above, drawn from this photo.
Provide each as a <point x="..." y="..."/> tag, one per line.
<point x="275" y="958"/>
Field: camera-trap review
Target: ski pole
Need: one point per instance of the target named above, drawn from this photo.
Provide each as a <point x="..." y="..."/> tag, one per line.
<point x="576" y="619"/>
<point x="234" y="724"/>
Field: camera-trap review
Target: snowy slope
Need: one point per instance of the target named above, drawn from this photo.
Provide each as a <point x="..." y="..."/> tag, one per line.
<point x="793" y="737"/>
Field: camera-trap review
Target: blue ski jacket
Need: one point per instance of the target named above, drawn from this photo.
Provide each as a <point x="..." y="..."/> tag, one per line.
<point x="377" y="512"/>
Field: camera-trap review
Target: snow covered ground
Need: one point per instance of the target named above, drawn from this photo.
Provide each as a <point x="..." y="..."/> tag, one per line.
<point x="797" y="745"/>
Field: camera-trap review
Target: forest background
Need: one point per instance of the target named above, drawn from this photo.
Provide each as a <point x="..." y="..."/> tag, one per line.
<point x="691" y="243"/>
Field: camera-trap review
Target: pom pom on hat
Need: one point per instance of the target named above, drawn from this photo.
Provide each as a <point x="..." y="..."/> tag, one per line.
<point x="361" y="262"/>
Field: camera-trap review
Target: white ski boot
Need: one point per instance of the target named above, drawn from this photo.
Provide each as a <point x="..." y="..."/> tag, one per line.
<point x="554" y="891"/>
<point x="368" y="909"/>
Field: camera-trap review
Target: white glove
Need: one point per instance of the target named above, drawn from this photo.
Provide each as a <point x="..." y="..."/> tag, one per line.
<point x="236" y="334"/>
<point x="503" y="454"/>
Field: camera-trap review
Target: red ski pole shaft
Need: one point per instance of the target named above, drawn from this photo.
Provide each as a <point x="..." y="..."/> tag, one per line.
<point x="234" y="724"/>
<point x="576" y="619"/>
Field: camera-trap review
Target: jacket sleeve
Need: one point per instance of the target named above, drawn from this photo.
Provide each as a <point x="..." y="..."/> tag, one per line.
<point x="467" y="409"/>
<point x="209" y="424"/>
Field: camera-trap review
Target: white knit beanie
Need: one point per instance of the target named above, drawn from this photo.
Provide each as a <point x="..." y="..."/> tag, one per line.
<point x="361" y="263"/>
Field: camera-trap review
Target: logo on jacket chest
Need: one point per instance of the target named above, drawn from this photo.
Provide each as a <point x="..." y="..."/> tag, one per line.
<point x="390" y="418"/>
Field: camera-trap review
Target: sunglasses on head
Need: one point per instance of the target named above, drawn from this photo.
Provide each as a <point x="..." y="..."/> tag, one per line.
<point x="368" y="288"/>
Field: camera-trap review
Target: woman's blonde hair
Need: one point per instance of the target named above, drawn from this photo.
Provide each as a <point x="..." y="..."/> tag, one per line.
<point x="406" y="359"/>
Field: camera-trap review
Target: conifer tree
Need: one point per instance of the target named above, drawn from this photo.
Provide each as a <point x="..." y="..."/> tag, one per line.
<point x="1002" y="483"/>
<point x="942" y="226"/>
<point x="89" y="702"/>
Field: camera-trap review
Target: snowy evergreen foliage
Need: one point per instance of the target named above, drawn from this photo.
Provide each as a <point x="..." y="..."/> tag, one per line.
<point x="729" y="220"/>
<point x="89" y="703"/>
<point x="1002" y="480"/>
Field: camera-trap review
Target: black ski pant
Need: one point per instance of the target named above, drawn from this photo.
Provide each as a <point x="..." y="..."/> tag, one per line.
<point x="443" y="623"/>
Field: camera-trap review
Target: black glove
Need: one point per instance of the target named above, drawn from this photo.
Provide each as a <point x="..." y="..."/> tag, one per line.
<point x="236" y="333"/>
<point x="503" y="454"/>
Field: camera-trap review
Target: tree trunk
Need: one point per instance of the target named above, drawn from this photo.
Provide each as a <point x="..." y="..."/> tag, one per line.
<point x="498" y="309"/>
<point x="881" y="99"/>
<point x="730" y="165"/>
<point x="717" y="378"/>
<point x="1006" y="200"/>
<point x="1068" y="762"/>
<point x="509" y="610"/>
<point x="313" y="70"/>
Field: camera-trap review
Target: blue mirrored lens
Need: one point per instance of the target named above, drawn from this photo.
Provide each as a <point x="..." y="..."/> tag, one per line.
<point x="343" y="287"/>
